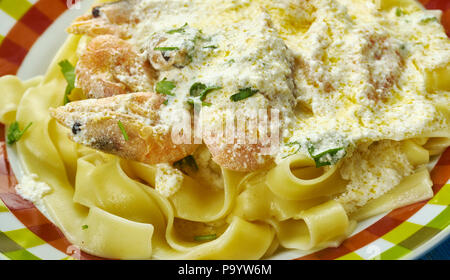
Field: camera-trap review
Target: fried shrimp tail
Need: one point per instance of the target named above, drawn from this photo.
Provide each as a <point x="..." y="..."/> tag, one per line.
<point x="110" y="66"/>
<point x="110" y="18"/>
<point x="124" y="125"/>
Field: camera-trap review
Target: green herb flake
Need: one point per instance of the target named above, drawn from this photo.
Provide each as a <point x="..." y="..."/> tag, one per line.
<point x="84" y="227"/>
<point x="399" y="12"/>
<point x="122" y="129"/>
<point x="14" y="133"/>
<point x="243" y="94"/>
<point x="68" y="71"/>
<point x="165" y="87"/>
<point x="197" y="89"/>
<point x="166" y="49"/>
<point x="201" y="90"/>
<point x="211" y="47"/>
<point x="208" y="237"/>
<point x="328" y="157"/>
<point x="428" y="20"/>
<point x="186" y="164"/>
<point x="178" y="30"/>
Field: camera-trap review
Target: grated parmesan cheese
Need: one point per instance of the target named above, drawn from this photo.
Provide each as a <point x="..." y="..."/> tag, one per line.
<point x="372" y="171"/>
<point x="33" y="190"/>
<point x="168" y="179"/>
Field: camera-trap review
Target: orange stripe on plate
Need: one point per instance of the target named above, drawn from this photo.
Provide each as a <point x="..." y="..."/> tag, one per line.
<point x="22" y="35"/>
<point x="6" y="67"/>
<point x="440" y="174"/>
<point x="50" y="8"/>
<point x="404" y="213"/>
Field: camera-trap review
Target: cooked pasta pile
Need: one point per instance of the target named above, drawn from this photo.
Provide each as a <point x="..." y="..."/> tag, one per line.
<point x="357" y="146"/>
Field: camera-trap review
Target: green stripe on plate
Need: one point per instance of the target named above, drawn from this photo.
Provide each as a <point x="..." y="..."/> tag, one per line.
<point x="1" y="40"/>
<point x="393" y="253"/>
<point x="350" y="256"/>
<point x="422" y="235"/>
<point x="3" y="208"/>
<point x="441" y="221"/>
<point x="402" y="232"/>
<point x="8" y="245"/>
<point x="442" y="197"/>
<point x="15" y="8"/>
<point x="21" y="255"/>
<point x="24" y="237"/>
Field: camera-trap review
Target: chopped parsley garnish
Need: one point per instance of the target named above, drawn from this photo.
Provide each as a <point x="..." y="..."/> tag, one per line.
<point x="68" y="71"/>
<point x="243" y="94"/>
<point x="165" y="87"/>
<point x="428" y="20"/>
<point x="328" y="157"/>
<point x="208" y="237"/>
<point x="166" y="49"/>
<point x="83" y="227"/>
<point x="178" y="30"/>
<point x="291" y="144"/>
<point x="14" y="132"/>
<point x="211" y="47"/>
<point x="122" y="129"/>
<point x="186" y="164"/>
<point x="399" y="12"/>
<point x="201" y="90"/>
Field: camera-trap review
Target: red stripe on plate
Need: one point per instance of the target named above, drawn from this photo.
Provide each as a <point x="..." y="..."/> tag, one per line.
<point x="15" y="201"/>
<point x="48" y="232"/>
<point x="12" y="52"/>
<point x="383" y="226"/>
<point x="359" y="240"/>
<point x="36" y="20"/>
<point x="328" y="253"/>
<point x="31" y="217"/>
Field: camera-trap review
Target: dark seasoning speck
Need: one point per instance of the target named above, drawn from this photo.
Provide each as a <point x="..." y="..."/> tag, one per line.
<point x="76" y="128"/>
<point x="96" y="12"/>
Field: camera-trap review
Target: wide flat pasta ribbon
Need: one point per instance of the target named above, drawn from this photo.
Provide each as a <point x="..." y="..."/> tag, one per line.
<point x="282" y="179"/>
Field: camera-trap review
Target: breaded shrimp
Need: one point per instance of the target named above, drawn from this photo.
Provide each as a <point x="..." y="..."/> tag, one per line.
<point x="95" y="123"/>
<point x="124" y="125"/>
<point x="110" y="18"/>
<point x="110" y="66"/>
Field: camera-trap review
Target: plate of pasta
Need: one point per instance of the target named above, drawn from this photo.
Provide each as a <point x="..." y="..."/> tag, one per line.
<point x="224" y="129"/>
